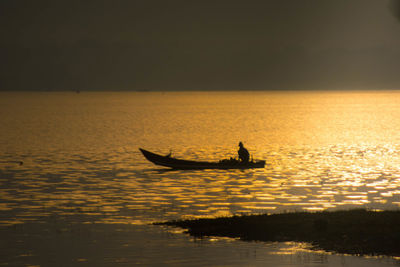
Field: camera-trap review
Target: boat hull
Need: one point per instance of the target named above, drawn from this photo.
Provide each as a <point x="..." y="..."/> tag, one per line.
<point x="180" y="164"/>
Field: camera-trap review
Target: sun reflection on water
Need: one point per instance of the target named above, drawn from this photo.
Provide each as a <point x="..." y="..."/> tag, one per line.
<point x="143" y="195"/>
<point x="323" y="151"/>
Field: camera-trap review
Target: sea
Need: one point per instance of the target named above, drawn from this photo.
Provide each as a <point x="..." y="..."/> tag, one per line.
<point x="76" y="191"/>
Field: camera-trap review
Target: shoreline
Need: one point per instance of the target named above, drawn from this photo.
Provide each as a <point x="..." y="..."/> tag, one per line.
<point x="355" y="232"/>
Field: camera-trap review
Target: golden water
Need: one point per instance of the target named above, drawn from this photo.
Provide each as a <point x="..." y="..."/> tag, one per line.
<point x="80" y="153"/>
<point x="75" y="156"/>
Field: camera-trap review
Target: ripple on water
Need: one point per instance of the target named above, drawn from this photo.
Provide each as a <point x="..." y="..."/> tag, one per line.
<point x="305" y="179"/>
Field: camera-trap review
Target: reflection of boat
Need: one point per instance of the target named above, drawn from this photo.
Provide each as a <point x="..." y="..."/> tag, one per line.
<point x="168" y="161"/>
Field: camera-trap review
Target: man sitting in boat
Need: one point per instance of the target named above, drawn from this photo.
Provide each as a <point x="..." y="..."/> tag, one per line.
<point x="243" y="153"/>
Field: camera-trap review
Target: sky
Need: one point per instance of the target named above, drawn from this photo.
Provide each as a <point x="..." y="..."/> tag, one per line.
<point x="199" y="45"/>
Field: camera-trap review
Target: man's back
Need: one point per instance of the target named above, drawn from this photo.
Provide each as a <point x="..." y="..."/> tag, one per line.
<point x="244" y="155"/>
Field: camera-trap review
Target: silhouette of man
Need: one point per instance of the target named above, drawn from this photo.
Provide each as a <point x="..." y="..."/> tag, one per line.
<point x="243" y="153"/>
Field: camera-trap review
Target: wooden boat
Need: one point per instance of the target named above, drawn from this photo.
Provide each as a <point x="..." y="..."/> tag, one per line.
<point x="168" y="161"/>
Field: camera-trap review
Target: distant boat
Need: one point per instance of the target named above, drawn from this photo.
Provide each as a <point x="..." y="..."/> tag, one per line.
<point x="168" y="161"/>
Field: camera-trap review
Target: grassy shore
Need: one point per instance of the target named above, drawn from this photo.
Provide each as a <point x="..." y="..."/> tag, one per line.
<point x="357" y="232"/>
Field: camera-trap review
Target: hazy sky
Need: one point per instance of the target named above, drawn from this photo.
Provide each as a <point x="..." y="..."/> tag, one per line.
<point x="199" y="45"/>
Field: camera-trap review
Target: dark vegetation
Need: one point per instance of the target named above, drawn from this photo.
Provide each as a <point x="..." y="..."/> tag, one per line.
<point x="357" y="232"/>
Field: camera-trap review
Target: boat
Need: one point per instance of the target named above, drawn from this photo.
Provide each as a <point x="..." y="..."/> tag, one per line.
<point x="180" y="164"/>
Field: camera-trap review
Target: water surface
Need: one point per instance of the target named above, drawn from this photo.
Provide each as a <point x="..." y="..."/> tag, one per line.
<point x="74" y="157"/>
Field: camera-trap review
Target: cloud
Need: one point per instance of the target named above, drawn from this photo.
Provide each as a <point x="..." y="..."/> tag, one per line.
<point x="394" y="6"/>
<point x="177" y="44"/>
